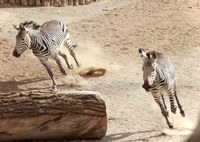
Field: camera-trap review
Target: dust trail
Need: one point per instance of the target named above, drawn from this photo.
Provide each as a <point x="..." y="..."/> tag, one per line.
<point x="72" y="81"/>
<point x="182" y="126"/>
<point x="90" y="54"/>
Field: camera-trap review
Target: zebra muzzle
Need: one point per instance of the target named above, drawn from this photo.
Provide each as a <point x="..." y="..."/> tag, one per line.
<point x="146" y="87"/>
<point x="16" y="54"/>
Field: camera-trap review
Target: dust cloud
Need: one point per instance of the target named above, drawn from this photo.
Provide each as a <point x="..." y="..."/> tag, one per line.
<point x="182" y="126"/>
<point x="72" y="81"/>
<point x="90" y="54"/>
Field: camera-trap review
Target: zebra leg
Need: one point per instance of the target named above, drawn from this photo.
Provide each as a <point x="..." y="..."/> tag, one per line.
<point x="74" y="56"/>
<point x="171" y="99"/>
<point x="163" y="99"/>
<point x="70" y="47"/>
<point x="65" y="58"/>
<point x="48" y="68"/>
<point x="164" y="112"/>
<point x="60" y="65"/>
<point x="179" y="105"/>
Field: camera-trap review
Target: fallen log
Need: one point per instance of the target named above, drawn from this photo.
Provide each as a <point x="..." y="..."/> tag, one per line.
<point x="39" y="115"/>
<point x="195" y="136"/>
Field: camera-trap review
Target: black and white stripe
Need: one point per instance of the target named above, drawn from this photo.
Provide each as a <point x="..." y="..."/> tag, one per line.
<point x="159" y="78"/>
<point x="45" y="41"/>
<point x="29" y="24"/>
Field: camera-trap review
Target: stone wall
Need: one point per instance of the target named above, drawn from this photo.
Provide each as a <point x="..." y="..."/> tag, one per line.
<point x="56" y="3"/>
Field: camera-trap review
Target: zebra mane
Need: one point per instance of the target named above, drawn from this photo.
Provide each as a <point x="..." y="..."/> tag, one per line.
<point x="163" y="59"/>
<point x="31" y="24"/>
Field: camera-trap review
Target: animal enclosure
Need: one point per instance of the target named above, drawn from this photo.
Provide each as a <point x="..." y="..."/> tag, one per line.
<point x="56" y="3"/>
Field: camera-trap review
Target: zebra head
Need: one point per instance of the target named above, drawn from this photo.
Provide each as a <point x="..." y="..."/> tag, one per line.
<point x="149" y="68"/>
<point x="22" y="40"/>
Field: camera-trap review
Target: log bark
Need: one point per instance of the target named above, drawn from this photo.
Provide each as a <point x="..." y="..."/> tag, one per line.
<point x="195" y="137"/>
<point x="39" y="115"/>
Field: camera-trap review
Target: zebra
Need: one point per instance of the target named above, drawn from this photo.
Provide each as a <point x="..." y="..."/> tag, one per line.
<point x="45" y="41"/>
<point x="159" y="78"/>
<point x="30" y="24"/>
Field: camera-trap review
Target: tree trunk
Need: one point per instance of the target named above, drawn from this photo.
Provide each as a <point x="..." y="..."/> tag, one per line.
<point x="75" y="2"/>
<point x="24" y="2"/>
<point x="87" y="1"/>
<point x="39" y="115"/>
<point x="63" y="3"/>
<point x="18" y="2"/>
<point x="81" y="2"/>
<point x="31" y="2"/>
<point x="70" y="2"/>
<point x="1" y="1"/>
<point x="38" y="3"/>
<point x="6" y="1"/>
<point x="12" y="2"/>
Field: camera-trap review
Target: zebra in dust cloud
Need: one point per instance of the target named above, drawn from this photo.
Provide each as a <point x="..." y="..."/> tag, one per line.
<point x="159" y="78"/>
<point x="45" y="42"/>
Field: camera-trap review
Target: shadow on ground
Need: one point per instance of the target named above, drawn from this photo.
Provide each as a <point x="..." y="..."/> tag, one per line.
<point x="12" y="85"/>
<point x="121" y="136"/>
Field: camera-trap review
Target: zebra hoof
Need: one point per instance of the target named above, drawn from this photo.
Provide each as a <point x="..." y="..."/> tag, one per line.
<point x="166" y="113"/>
<point x="171" y="126"/>
<point x="55" y="88"/>
<point x="71" y="67"/>
<point x="79" y="65"/>
<point x="182" y="113"/>
<point x="173" y="110"/>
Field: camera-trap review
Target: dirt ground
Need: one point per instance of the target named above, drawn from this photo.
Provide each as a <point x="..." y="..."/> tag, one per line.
<point x="108" y="35"/>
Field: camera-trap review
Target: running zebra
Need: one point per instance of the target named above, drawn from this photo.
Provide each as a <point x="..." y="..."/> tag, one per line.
<point x="45" y="42"/>
<point x="30" y="24"/>
<point x="159" y="78"/>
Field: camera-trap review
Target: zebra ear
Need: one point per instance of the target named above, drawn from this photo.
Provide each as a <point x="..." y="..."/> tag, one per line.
<point x="21" y="26"/>
<point x="142" y="52"/>
<point x="155" y="54"/>
<point x="16" y="27"/>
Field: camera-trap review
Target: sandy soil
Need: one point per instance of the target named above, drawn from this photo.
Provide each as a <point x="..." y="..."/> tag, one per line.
<point x="109" y="34"/>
